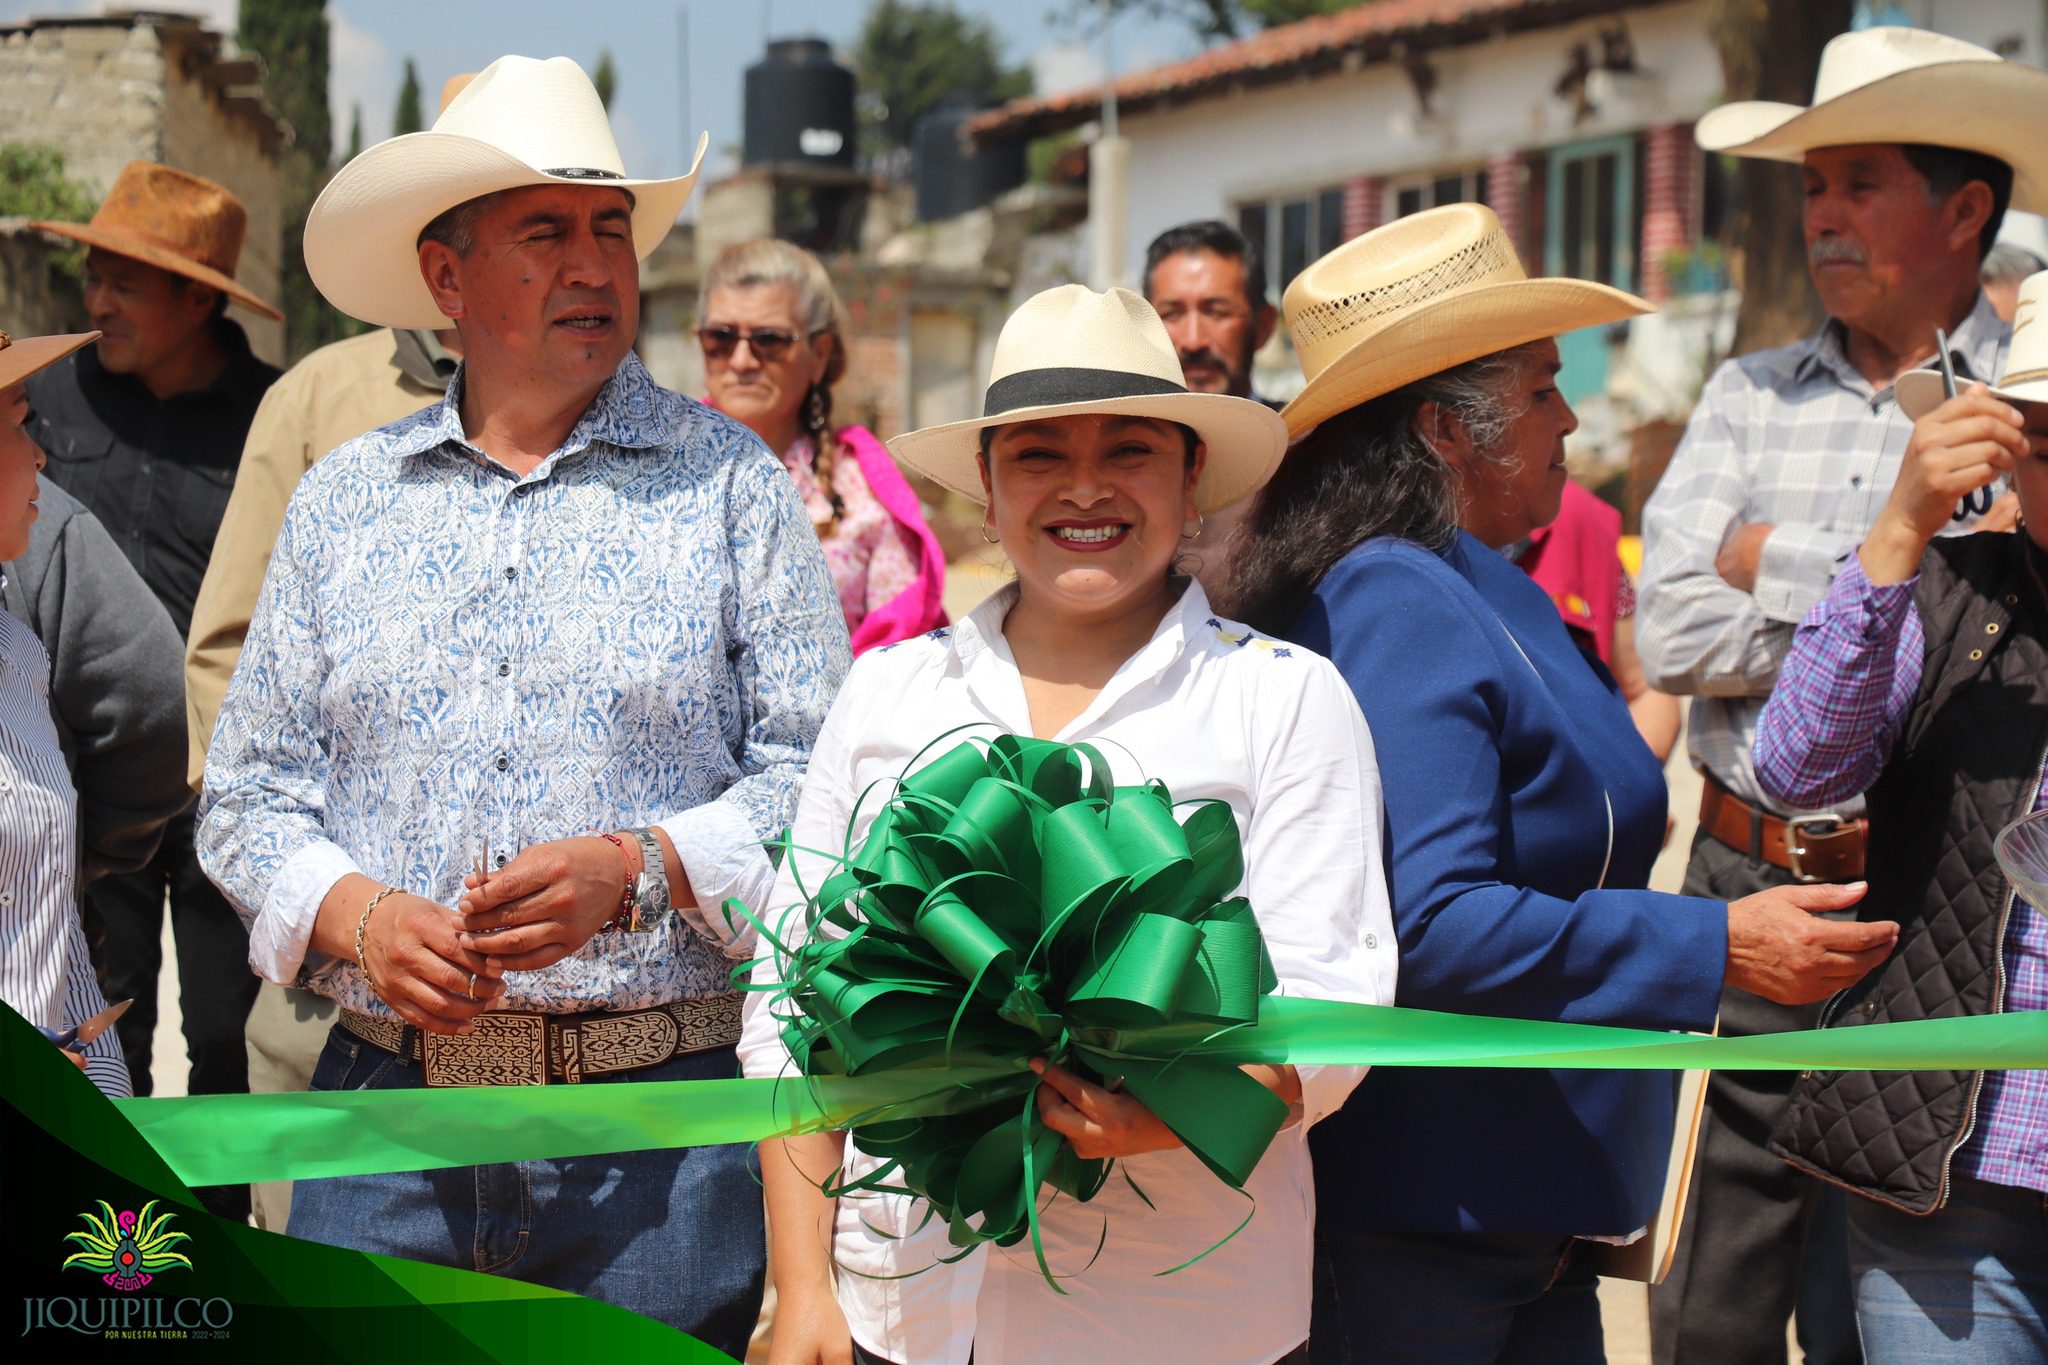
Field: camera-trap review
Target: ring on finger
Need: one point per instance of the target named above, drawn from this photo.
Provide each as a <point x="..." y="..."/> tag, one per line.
<point x="472" y="985"/>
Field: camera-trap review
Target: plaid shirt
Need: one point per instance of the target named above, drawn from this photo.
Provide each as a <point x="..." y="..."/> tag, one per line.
<point x="1827" y="731"/>
<point x="1796" y="438"/>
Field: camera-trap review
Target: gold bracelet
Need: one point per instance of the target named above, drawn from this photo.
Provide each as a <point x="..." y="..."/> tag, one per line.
<point x="362" y="925"/>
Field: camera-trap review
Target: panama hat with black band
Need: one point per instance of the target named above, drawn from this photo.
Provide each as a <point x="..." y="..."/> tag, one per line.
<point x="520" y="122"/>
<point x="1070" y="352"/>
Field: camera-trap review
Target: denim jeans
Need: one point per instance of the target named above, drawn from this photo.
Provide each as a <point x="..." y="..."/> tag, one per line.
<point x="1967" y="1284"/>
<point x="1454" y="1298"/>
<point x="675" y="1235"/>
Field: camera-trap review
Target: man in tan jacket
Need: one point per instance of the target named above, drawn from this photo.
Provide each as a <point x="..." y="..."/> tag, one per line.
<point x="333" y="395"/>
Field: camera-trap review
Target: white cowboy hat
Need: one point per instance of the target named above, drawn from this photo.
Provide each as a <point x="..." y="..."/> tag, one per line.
<point x="1071" y="351"/>
<point x="2026" y="362"/>
<point x="1902" y="85"/>
<point x="520" y="122"/>
<point x="1414" y="298"/>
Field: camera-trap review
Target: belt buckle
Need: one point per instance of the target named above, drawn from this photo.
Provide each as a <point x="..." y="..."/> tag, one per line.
<point x="1799" y="825"/>
<point x="505" y="1049"/>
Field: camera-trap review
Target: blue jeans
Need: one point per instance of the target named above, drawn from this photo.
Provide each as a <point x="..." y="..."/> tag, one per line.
<point x="1454" y="1298"/>
<point x="1967" y="1284"/>
<point x="674" y="1235"/>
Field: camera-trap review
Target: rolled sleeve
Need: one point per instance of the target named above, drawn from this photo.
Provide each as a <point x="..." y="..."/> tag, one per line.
<point x="283" y="930"/>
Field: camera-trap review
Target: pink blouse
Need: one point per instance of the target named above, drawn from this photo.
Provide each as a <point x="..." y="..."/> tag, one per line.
<point x="883" y="558"/>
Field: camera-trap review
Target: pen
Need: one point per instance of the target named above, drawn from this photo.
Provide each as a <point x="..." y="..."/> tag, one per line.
<point x="1948" y="366"/>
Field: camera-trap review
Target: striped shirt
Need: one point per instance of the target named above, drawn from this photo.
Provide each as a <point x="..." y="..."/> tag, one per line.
<point x="1846" y="689"/>
<point x="1797" y="439"/>
<point x="45" y="971"/>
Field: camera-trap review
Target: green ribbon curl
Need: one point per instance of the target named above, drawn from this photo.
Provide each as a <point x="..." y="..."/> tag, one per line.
<point x="1007" y="904"/>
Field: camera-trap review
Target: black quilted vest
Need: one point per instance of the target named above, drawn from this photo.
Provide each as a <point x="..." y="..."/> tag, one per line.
<point x="1968" y="762"/>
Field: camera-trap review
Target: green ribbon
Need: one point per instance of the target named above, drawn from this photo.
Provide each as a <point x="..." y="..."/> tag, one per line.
<point x="1007" y="904"/>
<point x="229" y="1139"/>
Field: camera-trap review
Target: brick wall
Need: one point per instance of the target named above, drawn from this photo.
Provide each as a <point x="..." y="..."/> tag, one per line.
<point x="1669" y="162"/>
<point x="107" y="93"/>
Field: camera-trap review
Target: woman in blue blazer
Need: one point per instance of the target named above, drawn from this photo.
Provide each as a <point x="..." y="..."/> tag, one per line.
<point x="1524" y="810"/>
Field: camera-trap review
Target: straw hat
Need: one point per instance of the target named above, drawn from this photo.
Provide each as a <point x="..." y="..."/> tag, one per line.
<point x="173" y="220"/>
<point x="20" y="359"/>
<point x="1902" y="85"/>
<point x="520" y="122"/>
<point x="1071" y="351"/>
<point x="2026" y="363"/>
<point x="1418" y="296"/>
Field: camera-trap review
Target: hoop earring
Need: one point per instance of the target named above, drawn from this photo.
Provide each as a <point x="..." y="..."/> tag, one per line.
<point x="814" y="408"/>
<point x="987" y="538"/>
<point x="1195" y="534"/>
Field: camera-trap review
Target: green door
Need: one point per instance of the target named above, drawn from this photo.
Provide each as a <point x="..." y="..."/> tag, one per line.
<point x="1589" y="234"/>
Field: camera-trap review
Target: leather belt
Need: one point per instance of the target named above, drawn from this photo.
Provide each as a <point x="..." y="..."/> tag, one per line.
<point x="1813" y="848"/>
<point x="509" y="1047"/>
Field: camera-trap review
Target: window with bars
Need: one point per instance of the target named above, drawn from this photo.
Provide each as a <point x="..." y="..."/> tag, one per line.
<point x="1291" y="231"/>
<point x="1434" y="190"/>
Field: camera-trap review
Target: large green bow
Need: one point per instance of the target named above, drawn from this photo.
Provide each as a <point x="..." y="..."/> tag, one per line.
<point x="1008" y="903"/>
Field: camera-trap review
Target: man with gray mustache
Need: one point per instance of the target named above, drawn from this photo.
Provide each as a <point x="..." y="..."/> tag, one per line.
<point x="1789" y="457"/>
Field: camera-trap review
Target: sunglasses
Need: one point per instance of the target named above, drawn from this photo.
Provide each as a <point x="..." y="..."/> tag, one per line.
<point x="769" y="344"/>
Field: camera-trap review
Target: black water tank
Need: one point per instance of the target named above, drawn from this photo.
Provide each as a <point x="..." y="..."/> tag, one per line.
<point x="952" y="178"/>
<point x="799" y="106"/>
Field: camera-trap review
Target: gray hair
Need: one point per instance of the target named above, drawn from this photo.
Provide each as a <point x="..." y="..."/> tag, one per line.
<point x="1367" y="472"/>
<point x="770" y="261"/>
<point x="2009" y="264"/>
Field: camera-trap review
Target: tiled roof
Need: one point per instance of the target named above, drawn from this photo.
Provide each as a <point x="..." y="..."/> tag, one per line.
<point x="1377" y="31"/>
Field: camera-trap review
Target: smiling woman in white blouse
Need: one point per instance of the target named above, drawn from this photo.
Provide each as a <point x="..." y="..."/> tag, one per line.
<point x="45" y="973"/>
<point x="1095" y="462"/>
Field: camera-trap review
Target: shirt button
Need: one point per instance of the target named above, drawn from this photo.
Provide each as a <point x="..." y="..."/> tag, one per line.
<point x="6" y="898"/>
<point x="504" y="669"/>
<point x="521" y="490"/>
<point x="1855" y="481"/>
<point x="501" y="860"/>
<point x="511" y="572"/>
<point x="503" y="763"/>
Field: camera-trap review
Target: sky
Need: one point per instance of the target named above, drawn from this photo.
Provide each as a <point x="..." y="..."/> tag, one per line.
<point x="370" y="40"/>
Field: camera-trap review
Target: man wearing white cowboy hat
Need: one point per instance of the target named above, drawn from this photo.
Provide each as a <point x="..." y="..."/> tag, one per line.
<point x="1911" y="152"/>
<point x="532" y="680"/>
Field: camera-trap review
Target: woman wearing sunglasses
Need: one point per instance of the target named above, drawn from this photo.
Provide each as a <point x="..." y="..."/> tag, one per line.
<point x="773" y="333"/>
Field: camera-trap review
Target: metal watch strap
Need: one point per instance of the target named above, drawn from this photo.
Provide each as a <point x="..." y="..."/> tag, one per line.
<point x="653" y="884"/>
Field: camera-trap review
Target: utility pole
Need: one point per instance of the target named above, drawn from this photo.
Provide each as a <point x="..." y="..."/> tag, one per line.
<point x="1109" y="173"/>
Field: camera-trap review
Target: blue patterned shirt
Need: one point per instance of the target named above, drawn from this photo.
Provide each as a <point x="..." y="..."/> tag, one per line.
<point x="641" y="631"/>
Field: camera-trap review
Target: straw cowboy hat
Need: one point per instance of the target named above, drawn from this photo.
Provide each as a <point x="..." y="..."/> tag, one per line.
<point x="173" y="220"/>
<point x="20" y="359"/>
<point x="2026" y="363"/>
<point x="1903" y="85"/>
<point x="1071" y="351"/>
<point x="520" y="122"/>
<point x="1418" y="296"/>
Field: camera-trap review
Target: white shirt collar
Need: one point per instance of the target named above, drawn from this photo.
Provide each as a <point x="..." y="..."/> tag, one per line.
<point x="985" y="664"/>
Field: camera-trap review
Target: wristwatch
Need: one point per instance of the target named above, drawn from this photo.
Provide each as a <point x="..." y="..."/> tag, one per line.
<point x="651" y="891"/>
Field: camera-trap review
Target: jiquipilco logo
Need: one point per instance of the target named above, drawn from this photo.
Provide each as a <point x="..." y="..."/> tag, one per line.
<point x="128" y="1251"/>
